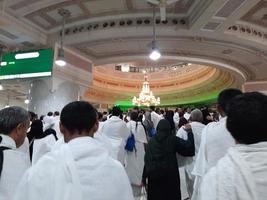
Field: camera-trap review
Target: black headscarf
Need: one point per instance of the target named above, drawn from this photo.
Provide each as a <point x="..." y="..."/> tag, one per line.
<point x="163" y="129"/>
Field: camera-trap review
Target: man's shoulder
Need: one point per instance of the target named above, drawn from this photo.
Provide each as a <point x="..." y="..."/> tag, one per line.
<point x="110" y="162"/>
<point x="45" y="164"/>
<point x="216" y="126"/>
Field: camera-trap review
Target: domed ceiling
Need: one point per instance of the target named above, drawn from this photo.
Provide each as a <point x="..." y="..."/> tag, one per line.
<point x="225" y="40"/>
<point x="176" y="83"/>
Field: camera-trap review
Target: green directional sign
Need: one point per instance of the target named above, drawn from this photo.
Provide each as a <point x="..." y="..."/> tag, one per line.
<point x="26" y="64"/>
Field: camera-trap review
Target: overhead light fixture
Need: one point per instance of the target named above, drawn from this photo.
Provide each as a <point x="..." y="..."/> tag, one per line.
<point x="146" y="97"/>
<point x="27" y="55"/>
<point x="155" y="53"/>
<point x="60" y="61"/>
<point x="27" y="101"/>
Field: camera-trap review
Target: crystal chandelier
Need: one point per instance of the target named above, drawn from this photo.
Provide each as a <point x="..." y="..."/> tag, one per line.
<point x="146" y="97"/>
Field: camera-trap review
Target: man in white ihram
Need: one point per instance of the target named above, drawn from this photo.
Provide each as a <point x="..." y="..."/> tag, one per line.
<point x="155" y="117"/>
<point x="195" y="120"/>
<point x="80" y="169"/>
<point x="14" y="123"/>
<point x="215" y="141"/>
<point x="117" y="133"/>
<point x="242" y="173"/>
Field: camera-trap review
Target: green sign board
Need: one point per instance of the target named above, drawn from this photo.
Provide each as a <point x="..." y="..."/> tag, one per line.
<point x="26" y="64"/>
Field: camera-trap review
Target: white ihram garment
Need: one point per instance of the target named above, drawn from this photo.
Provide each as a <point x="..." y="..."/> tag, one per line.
<point x="155" y="118"/>
<point x="135" y="160"/>
<point x="42" y="146"/>
<point x="215" y="142"/>
<point x="239" y="175"/>
<point x="56" y="127"/>
<point x="78" y="170"/>
<point x="197" y="131"/>
<point x="117" y="132"/>
<point x="189" y="162"/>
<point x="187" y="116"/>
<point x="104" y="141"/>
<point x="48" y="122"/>
<point x="15" y="164"/>
<point x="176" y="119"/>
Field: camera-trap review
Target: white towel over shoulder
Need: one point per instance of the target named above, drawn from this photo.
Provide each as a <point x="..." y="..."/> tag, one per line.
<point x="239" y="175"/>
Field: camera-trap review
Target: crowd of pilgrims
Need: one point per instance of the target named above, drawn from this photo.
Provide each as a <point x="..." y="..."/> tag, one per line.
<point x="80" y="153"/>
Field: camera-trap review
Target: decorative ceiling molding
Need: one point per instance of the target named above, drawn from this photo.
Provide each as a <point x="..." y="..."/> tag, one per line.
<point x="249" y="33"/>
<point x="256" y="14"/>
<point x="89" y="9"/>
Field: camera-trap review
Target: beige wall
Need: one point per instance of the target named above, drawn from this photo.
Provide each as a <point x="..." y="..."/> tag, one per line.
<point x="260" y="86"/>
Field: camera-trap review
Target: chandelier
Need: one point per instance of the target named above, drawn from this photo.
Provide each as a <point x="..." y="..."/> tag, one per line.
<point x="146" y="97"/>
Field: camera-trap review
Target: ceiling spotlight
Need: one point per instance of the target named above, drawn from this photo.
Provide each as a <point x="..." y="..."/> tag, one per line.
<point x="27" y="101"/>
<point x="155" y="53"/>
<point x="60" y="61"/>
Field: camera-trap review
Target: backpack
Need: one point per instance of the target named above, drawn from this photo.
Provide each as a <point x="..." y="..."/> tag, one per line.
<point x="153" y="132"/>
<point x="130" y="144"/>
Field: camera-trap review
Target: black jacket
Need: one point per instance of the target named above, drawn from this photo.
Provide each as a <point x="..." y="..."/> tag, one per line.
<point x="161" y="167"/>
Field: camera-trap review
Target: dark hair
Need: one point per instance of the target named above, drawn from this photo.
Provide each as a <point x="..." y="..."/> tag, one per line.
<point x="152" y="108"/>
<point x="32" y="115"/>
<point x="157" y="110"/>
<point x="37" y="129"/>
<point x="42" y="117"/>
<point x="116" y="111"/>
<point x="140" y="117"/>
<point x="136" y="108"/>
<point x="49" y="114"/>
<point x="169" y="118"/>
<point x="134" y="116"/>
<point x="78" y="116"/>
<point x="100" y="115"/>
<point x="247" y="117"/>
<point x="225" y="96"/>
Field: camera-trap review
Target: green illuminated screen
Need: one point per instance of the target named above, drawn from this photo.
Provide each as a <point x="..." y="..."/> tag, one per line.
<point x="27" y="64"/>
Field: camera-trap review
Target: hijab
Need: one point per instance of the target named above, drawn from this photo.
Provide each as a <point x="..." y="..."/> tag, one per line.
<point x="163" y="130"/>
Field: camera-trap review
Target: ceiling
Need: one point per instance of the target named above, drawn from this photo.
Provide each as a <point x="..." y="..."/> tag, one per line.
<point x="229" y="35"/>
<point x="179" y="85"/>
